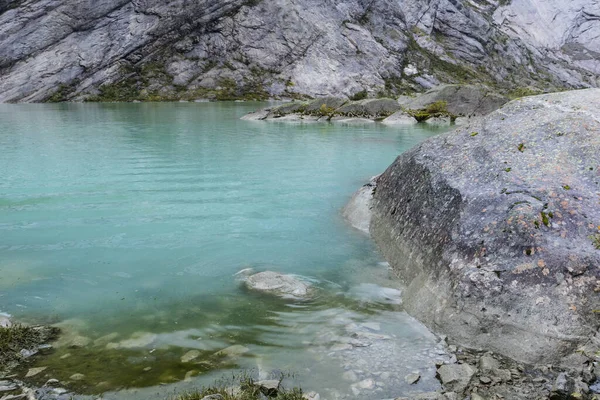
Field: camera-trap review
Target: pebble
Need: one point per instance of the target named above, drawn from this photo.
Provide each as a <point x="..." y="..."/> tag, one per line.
<point x="374" y="326"/>
<point x="190" y="355"/>
<point x="350" y="376"/>
<point x="233" y="351"/>
<point x="77" y="377"/>
<point x="34" y="371"/>
<point x="7" y="386"/>
<point x="411" y="379"/>
<point x="485" y="380"/>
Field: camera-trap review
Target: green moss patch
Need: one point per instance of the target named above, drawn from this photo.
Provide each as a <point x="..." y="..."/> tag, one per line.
<point x="19" y="337"/>
<point x="242" y="388"/>
<point x="439" y="109"/>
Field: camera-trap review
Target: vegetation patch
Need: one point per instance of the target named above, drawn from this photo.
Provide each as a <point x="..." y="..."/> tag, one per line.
<point x="363" y="94"/>
<point x="243" y="388"/>
<point x="596" y="240"/>
<point x="523" y="92"/>
<point x="439" y="109"/>
<point x="18" y="337"/>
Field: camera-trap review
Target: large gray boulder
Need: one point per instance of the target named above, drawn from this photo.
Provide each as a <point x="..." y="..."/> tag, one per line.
<point x="495" y="227"/>
<point x="461" y="100"/>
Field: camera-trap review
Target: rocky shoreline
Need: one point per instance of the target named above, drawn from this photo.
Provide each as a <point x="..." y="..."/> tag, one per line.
<point x="442" y="105"/>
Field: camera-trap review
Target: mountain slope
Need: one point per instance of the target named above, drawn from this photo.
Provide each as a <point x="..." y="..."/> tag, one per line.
<point x="151" y="50"/>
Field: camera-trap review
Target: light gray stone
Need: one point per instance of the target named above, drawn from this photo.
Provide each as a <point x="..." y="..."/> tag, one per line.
<point x="456" y="377"/>
<point x="358" y="210"/>
<point x="277" y="284"/>
<point x="400" y="118"/>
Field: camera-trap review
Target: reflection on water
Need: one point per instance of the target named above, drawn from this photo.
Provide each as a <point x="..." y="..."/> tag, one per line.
<point x="125" y="223"/>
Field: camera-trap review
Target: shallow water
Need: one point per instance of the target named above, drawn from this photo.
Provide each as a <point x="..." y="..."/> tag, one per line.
<point x="125" y="223"/>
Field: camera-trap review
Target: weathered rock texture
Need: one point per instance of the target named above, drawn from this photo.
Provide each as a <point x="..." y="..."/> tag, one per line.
<point x="495" y="227"/>
<point x="185" y="49"/>
<point x="460" y="100"/>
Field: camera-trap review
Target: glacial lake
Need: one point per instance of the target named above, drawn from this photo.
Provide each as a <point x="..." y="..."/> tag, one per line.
<point x="124" y="224"/>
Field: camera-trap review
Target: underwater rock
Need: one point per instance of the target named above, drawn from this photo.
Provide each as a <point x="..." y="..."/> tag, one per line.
<point x="232" y="351"/>
<point x="190" y="355"/>
<point x="282" y="285"/>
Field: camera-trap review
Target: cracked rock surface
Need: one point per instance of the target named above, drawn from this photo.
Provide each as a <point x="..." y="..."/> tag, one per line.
<point x="182" y="49"/>
<point x="495" y="228"/>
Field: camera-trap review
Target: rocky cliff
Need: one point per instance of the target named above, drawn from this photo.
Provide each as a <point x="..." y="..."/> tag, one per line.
<point x="495" y="228"/>
<point x="55" y="50"/>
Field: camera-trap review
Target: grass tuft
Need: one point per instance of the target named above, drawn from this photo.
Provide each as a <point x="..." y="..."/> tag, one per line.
<point x="242" y="387"/>
<point x="19" y="337"/>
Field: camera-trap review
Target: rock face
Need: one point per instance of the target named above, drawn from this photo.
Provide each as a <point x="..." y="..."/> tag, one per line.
<point x="125" y="49"/>
<point x="495" y="227"/>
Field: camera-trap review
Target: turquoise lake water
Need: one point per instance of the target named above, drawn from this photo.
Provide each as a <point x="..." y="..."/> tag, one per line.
<point x="125" y="223"/>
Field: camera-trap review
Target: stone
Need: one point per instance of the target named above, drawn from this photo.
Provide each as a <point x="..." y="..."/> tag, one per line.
<point x="477" y="226"/>
<point x="503" y="374"/>
<point x="488" y="363"/>
<point x="269" y="388"/>
<point x="461" y="100"/>
<point x="5" y="321"/>
<point x="311" y="396"/>
<point x="77" y="377"/>
<point x="400" y="118"/>
<point x="349" y="376"/>
<point x="358" y="210"/>
<point x="232" y="351"/>
<point x="366" y="384"/>
<point x="439" y="121"/>
<point x="7" y="386"/>
<point x="327" y="104"/>
<point x="476" y="396"/>
<point x="213" y="397"/>
<point x="137" y="340"/>
<point x="411" y="379"/>
<point x="369" y="108"/>
<point x="372" y="326"/>
<point x="35" y="371"/>
<point x="257" y="115"/>
<point x="485" y="380"/>
<point x="189" y="356"/>
<point x="455" y="377"/>
<point x="104" y="340"/>
<point x="282" y="285"/>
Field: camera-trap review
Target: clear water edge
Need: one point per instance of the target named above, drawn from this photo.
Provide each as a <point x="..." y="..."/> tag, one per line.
<point x="124" y="224"/>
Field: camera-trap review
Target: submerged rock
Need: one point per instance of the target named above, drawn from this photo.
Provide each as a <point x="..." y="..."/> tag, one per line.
<point x="278" y="284"/>
<point x="232" y="351"/>
<point x="495" y="227"/>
